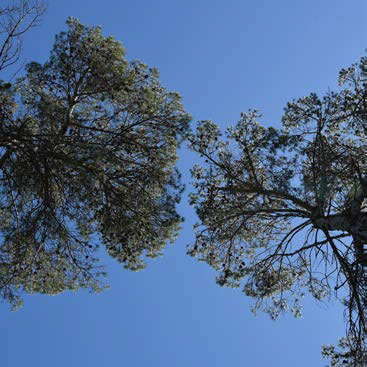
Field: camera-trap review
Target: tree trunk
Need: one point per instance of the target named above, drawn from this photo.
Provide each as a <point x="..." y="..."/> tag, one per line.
<point x="355" y="225"/>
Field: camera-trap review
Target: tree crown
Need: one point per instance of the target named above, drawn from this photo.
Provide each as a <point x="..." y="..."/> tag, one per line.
<point x="88" y="144"/>
<point x="277" y="206"/>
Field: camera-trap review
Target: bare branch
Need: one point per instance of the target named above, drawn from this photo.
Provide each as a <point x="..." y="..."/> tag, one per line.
<point x="17" y="18"/>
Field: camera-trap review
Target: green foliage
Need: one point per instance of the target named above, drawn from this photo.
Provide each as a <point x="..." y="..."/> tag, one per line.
<point x="88" y="145"/>
<point x="275" y="205"/>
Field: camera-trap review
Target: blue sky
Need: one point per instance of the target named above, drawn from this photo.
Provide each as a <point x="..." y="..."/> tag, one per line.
<point x="223" y="58"/>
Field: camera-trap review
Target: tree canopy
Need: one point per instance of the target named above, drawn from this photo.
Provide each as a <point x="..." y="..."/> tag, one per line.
<point x="88" y="147"/>
<point x="284" y="211"/>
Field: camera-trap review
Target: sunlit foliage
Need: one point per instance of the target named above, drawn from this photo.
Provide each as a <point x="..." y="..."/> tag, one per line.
<point x="283" y="211"/>
<point x="88" y="151"/>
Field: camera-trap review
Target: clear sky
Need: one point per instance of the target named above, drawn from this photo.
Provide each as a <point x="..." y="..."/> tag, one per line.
<point x="223" y="57"/>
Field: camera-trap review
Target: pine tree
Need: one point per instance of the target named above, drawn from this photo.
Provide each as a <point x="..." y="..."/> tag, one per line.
<point x="88" y="144"/>
<point x="283" y="211"/>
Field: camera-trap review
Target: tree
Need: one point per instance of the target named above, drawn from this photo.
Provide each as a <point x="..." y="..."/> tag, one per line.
<point x="88" y="145"/>
<point x="17" y="18"/>
<point x="284" y="211"/>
